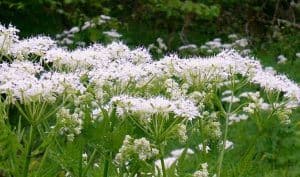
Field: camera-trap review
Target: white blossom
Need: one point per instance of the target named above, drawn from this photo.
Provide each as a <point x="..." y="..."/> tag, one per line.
<point x="131" y="147"/>
<point x="203" y="172"/>
<point x="187" y="47"/>
<point x="242" y="42"/>
<point x="181" y="108"/>
<point x="178" y="152"/>
<point x="206" y="149"/>
<point x="112" y="33"/>
<point x="281" y="59"/>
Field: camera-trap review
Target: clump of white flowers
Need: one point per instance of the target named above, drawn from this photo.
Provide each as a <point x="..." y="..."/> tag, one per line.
<point x="135" y="148"/>
<point x="69" y="124"/>
<point x="181" y="108"/>
<point x="173" y="89"/>
<point x="230" y="99"/>
<point x="205" y="149"/>
<point x="112" y="33"/>
<point x="8" y="36"/>
<point x="67" y="36"/>
<point x="178" y="152"/>
<point x="188" y="47"/>
<point x="35" y="45"/>
<point x="160" y="48"/>
<point x="281" y="59"/>
<point x="85" y="158"/>
<point x="237" y="118"/>
<point x="257" y="103"/>
<point x="212" y="126"/>
<point x="182" y="133"/>
<point x="228" y="145"/>
<point x="217" y="45"/>
<point x="203" y="172"/>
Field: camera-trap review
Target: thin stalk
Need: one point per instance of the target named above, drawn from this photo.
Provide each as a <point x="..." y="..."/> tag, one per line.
<point x="163" y="167"/>
<point x="203" y="138"/>
<point x="80" y="163"/>
<point x="106" y="166"/>
<point x="2" y="46"/>
<point x="28" y="153"/>
<point x="43" y="160"/>
<point x="223" y="148"/>
<point x="204" y="149"/>
<point x="90" y="162"/>
<point x="168" y="130"/>
<point x="221" y="157"/>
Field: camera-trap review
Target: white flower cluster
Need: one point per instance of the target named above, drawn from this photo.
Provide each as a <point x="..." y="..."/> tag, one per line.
<point x="178" y="152"/>
<point x="8" y="36"/>
<point x="67" y="36"/>
<point x="27" y="81"/>
<point x="182" y="133"/>
<point x="201" y="148"/>
<point x="228" y="145"/>
<point x="181" y="108"/>
<point x="216" y="45"/>
<point x="160" y="48"/>
<point x="237" y="118"/>
<point x="173" y="89"/>
<point x="69" y="124"/>
<point x="212" y="126"/>
<point x="109" y="59"/>
<point x="203" y="172"/>
<point x="112" y="33"/>
<point x="257" y="103"/>
<point x="279" y="83"/>
<point x="188" y="47"/>
<point x="231" y="99"/>
<point x="135" y="148"/>
<point x="116" y="63"/>
<point x="37" y="46"/>
<point x="115" y="66"/>
<point x="281" y="59"/>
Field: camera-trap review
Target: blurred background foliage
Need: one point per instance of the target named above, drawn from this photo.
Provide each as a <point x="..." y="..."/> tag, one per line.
<point x="272" y="26"/>
<point x="178" y="22"/>
<point x="257" y="18"/>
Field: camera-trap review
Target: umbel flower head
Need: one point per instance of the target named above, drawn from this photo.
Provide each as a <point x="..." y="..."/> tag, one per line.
<point x="181" y="108"/>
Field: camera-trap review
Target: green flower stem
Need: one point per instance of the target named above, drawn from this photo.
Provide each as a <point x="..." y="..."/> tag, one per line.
<point x="28" y="152"/>
<point x="2" y="46"/>
<point x="221" y="157"/>
<point x="90" y="162"/>
<point x="106" y="166"/>
<point x="163" y="167"/>
<point x="43" y="160"/>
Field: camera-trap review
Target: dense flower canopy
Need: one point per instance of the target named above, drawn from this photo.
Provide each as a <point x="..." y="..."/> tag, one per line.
<point x="117" y="63"/>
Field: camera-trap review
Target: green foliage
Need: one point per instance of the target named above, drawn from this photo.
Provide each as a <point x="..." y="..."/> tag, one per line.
<point x="177" y="8"/>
